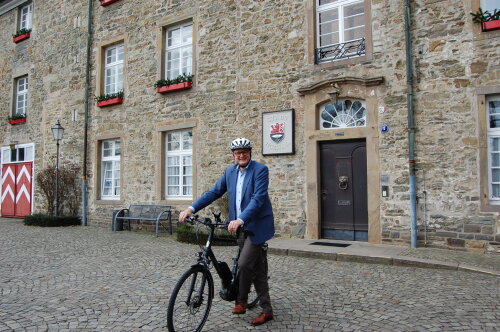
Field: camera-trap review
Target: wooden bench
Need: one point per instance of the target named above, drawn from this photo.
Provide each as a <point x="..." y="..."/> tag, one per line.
<point x="138" y="212"/>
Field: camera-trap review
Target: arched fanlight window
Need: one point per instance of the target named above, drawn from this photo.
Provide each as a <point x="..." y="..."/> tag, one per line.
<point x="343" y="114"/>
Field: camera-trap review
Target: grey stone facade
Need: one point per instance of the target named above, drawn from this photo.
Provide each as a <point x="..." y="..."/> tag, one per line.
<point x="252" y="57"/>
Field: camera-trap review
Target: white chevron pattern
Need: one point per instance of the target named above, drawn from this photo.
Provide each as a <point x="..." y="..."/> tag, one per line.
<point x="8" y="172"/>
<point x="8" y="190"/>
<point x="21" y="191"/>
<point x="24" y="171"/>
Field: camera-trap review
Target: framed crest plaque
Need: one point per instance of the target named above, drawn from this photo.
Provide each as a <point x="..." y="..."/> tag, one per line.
<point x="278" y="135"/>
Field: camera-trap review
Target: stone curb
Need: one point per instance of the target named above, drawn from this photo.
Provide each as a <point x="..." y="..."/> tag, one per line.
<point x="396" y="261"/>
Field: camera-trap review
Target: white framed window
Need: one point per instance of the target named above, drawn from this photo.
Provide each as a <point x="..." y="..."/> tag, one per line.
<point x="340" y="29"/>
<point x="344" y="114"/>
<point x="179" y="50"/>
<point x="18" y="154"/>
<point x="179" y="164"/>
<point x="110" y="169"/>
<point x="493" y="114"/>
<point x="113" y="69"/>
<point x="21" y="96"/>
<point x="25" y="14"/>
<point x="489" y="5"/>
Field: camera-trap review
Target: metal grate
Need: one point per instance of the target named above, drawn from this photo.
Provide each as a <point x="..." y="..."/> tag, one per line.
<point x="330" y="244"/>
<point x="340" y="51"/>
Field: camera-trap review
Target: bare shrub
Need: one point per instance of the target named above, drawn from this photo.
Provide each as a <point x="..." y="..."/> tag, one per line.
<point x="69" y="189"/>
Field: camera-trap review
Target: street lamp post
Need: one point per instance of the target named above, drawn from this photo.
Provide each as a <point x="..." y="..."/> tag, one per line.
<point x="57" y="132"/>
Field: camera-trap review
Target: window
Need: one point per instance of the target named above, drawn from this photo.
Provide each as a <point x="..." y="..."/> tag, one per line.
<point x="25" y="14"/>
<point x="344" y="114"/>
<point x="179" y="50"/>
<point x="113" y="69"/>
<point x="21" y="96"/>
<point x="340" y="29"/>
<point x="489" y="5"/>
<point x="17" y="154"/>
<point x="179" y="154"/>
<point x="110" y="168"/>
<point x="493" y="113"/>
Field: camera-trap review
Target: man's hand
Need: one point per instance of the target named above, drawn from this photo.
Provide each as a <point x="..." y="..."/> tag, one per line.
<point x="234" y="225"/>
<point x="184" y="214"/>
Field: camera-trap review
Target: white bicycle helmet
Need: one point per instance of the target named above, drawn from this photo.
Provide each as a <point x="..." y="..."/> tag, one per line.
<point x="241" y="143"/>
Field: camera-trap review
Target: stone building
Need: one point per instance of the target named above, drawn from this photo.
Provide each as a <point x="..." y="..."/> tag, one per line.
<point x="367" y="137"/>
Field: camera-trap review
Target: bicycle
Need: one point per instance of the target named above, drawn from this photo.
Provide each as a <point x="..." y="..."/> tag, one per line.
<point x="191" y="299"/>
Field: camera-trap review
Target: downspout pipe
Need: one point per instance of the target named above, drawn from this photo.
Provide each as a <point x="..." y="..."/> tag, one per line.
<point x="411" y="126"/>
<point x="86" y="121"/>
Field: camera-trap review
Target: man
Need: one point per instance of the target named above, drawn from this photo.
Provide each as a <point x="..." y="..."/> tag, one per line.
<point x="249" y="205"/>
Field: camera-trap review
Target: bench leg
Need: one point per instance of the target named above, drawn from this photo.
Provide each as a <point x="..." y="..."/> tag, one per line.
<point x="170" y="221"/>
<point x="156" y="228"/>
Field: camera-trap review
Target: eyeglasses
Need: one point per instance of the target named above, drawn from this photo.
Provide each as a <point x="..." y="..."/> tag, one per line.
<point x="241" y="152"/>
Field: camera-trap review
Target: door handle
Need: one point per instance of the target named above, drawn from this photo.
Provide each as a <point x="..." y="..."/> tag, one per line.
<point x="324" y="193"/>
<point x="343" y="182"/>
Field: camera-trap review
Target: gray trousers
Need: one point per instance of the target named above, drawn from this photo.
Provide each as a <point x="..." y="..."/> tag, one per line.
<point x="252" y="268"/>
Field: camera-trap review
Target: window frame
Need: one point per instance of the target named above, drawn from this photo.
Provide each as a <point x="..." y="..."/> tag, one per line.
<point x="28" y="153"/>
<point x="312" y="44"/>
<point x="115" y="161"/>
<point x="21" y="93"/>
<point x="491" y="133"/>
<point x="168" y="49"/>
<point x="340" y="5"/>
<point x="181" y="153"/>
<point x="118" y="82"/>
<point x="25" y="23"/>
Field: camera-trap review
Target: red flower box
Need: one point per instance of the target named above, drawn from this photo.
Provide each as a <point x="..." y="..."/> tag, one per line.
<point x="109" y="102"/>
<point x="491" y="25"/>
<point x="21" y="37"/>
<point x="107" y="2"/>
<point x="16" y="121"/>
<point x="174" y="87"/>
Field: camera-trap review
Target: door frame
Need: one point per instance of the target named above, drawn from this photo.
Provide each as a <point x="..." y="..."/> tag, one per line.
<point x="372" y="92"/>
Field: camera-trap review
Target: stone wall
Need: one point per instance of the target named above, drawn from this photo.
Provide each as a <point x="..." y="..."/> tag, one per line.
<point x="252" y="57"/>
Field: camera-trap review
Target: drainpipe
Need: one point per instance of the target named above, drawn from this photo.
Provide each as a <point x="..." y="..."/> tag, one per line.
<point x="85" y="130"/>
<point x="411" y="127"/>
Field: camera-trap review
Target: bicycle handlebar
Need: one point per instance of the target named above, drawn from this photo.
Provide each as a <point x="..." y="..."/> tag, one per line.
<point x="206" y="221"/>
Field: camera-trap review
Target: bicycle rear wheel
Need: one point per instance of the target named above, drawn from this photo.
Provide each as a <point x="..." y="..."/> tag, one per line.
<point x="191" y="300"/>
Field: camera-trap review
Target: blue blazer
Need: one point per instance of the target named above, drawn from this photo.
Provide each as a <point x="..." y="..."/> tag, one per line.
<point x="256" y="209"/>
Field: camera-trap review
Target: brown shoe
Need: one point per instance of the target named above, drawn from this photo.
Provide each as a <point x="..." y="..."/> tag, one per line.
<point x="262" y="318"/>
<point x="240" y="308"/>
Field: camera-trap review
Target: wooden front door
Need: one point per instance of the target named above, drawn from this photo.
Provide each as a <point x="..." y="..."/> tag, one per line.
<point x="16" y="189"/>
<point x="344" y="206"/>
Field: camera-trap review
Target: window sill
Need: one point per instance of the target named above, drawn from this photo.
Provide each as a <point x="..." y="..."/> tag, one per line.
<point x="17" y="121"/>
<point x="108" y="202"/>
<point x="109" y="102"/>
<point x="491" y="25"/>
<point x="20" y="38"/>
<point x="344" y="63"/>
<point x="174" y="87"/>
<point x="105" y="3"/>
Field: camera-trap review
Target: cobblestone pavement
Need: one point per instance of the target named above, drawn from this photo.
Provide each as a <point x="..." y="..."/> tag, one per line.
<point x="487" y="261"/>
<point x="91" y="279"/>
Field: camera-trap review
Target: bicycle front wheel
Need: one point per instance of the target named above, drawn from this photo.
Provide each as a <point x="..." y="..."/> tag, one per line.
<point x="191" y="300"/>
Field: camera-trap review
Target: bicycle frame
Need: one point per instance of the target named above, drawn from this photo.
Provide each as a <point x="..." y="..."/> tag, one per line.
<point x="207" y="256"/>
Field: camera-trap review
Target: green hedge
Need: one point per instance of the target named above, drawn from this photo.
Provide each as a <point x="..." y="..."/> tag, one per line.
<point x="44" y="220"/>
<point x="187" y="234"/>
